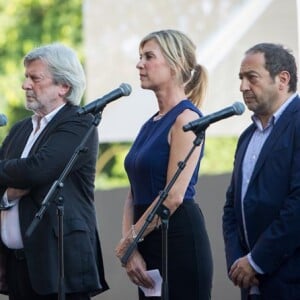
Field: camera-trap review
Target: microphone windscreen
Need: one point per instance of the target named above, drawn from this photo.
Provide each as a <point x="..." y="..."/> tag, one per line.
<point x="238" y="107"/>
<point x="126" y="88"/>
<point x="3" y="120"/>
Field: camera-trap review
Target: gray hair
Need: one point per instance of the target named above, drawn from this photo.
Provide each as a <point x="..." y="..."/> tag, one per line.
<point x="64" y="67"/>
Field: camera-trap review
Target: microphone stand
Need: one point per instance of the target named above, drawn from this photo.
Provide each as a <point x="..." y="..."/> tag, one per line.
<point x="164" y="213"/>
<point x="53" y="193"/>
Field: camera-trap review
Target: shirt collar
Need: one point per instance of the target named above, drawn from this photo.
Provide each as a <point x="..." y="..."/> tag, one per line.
<point x="47" y="118"/>
<point x="274" y="118"/>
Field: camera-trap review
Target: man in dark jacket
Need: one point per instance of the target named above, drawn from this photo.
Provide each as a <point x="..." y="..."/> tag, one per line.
<point x="33" y="156"/>
<point x="261" y="221"/>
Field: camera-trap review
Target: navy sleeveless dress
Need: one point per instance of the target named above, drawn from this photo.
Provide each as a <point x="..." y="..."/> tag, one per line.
<point x="189" y="254"/>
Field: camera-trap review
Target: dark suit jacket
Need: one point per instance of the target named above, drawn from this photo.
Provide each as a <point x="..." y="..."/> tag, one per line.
<point x="271" y="208"/>
<point x="44" y="165"/>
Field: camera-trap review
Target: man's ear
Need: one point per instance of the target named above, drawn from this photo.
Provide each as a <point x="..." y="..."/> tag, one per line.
<point x="64" y="89"/>
<point x="284" y="79"/>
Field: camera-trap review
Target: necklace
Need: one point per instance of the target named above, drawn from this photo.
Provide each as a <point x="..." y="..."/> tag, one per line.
<point x="158" y="116"/>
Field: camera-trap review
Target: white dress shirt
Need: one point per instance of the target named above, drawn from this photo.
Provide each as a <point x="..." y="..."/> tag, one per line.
<point x="10" y="224"/>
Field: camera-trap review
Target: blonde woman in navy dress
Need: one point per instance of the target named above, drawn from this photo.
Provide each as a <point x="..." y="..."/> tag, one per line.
<point x="168" y="67"/>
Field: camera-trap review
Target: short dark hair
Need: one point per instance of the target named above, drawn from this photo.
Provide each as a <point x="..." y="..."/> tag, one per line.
<point x="277" y="59"/>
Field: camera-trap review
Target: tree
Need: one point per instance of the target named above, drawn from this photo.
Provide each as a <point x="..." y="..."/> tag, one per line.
<point x="26" y="24"/>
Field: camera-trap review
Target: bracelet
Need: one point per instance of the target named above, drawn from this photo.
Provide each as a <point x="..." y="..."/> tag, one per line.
<point x="134" y="235"/>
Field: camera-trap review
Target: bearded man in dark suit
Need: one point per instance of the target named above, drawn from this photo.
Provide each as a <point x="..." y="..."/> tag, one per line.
<point x="33" y="156"/>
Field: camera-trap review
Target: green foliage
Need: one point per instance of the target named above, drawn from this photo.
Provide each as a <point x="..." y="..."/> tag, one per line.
<point x="218" y="155"/>
<point x="110" y="168"/>
<point x="26" y="24"/>
<point x="218" y="159"/>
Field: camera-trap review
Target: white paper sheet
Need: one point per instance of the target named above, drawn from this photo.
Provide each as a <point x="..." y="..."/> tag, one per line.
<point x="156" y="291"/>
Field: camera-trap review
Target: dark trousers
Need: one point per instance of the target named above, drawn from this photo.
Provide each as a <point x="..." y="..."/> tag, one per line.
<point x="19" y="284"/>
<point x="253" y="297"/>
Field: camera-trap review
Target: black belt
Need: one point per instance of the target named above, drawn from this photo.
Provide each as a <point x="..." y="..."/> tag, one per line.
<point x="19" y="254"/>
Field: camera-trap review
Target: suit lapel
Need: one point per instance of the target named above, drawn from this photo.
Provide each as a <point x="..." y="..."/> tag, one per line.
<point x="49" y="127"/>
<point x="277" y="132"/>
<point x="241" y="153"/>
<point x="20" y="134"/>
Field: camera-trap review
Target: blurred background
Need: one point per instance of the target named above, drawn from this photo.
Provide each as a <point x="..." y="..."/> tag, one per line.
<point x="106" y="36"/>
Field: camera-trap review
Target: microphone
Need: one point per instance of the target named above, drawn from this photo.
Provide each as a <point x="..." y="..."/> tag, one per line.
<point x="3" y="120"/>
<point x="202" y="123"/>
<point x="96" y="106"/>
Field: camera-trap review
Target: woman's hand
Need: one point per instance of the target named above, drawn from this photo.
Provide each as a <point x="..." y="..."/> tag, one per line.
<point x="123" y="245"/>
<point x="135" y="265"/>
<point x="136" y="271"/>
